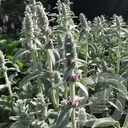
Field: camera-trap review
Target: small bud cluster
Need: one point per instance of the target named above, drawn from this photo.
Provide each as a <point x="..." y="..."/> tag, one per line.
<point x="84" y="23"/>
<point x="60" y="42"/>
<point x="56" y="76"/>
<point x="42" y="18"/>
<point x="28" y="25"/>
<point x="70" y="47"/>
<point x="71" y="104"/>
<point x="41" y="107"/>
<point x="49" y="45"/>
<point x="73" y="78"/>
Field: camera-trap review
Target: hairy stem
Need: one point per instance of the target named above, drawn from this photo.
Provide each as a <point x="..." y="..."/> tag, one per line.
<point x="53" y="92"/>
<point x="72" y="95"/>
<point x="8" y="83"/>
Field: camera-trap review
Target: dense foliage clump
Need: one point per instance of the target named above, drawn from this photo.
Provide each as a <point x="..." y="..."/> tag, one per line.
<point x="65" y="75"/>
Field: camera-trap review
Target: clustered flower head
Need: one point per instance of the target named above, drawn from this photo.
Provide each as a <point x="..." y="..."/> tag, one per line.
<point x="70" y="102"/>
<point x="28" y="25"/>
<point x="42" y="18"/>
<point x="84" y="23"/>
<point x="60" y="42"/>
<point x="70" y="47"/>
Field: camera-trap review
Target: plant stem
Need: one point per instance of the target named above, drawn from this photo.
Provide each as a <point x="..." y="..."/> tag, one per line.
<point x="118" y="54"/>
<point x="8" y="83"/>
<point x="86" y="53"/>
<point x="35" y="69"/>
<point x="125" y="125"/>
<point x="72" y="94"/>
<point x="53" y="92"/>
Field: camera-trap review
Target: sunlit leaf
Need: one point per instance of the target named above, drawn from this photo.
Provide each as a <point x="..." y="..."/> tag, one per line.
<point x="107" y="121"/>
<point x="66" y="74"/>
<point x="124" y="59"/>
<point x="18" y="54"/>
<point x="2" y="86"/>
<point x="57" y="59"/>
<point x="116" y="103"/>
<point x="118" y="86"/>
<point x="52" y="57"/>
<point x="30" y="77"/>
<point x="83" y="88"/>
<point x="5" y="104"/>
<point x="123" y="77"/>
<point x="64" y="117"/>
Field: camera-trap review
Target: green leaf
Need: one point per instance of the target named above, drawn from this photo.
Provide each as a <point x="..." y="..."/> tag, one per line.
<point x="116" y="103"/>
<point x="125" y="112"/>
<point x="2" y="86"/>
<point x="107" y="121"/>
<point x="123" y="77"/>
<point x="83" y="88"/>
<point x="124" y="59"/>
<point x="51" y="54"/>
<point x="64" y="117"/>
<point x="18" y="54"/>
<point x="57" y="58"/>
<point x="57" y="32"/>
<point x="57" y="85"/>
<point x="94" y="48"/>
<point x="15" y="125"/>
<point x="5" y="104"/>
<point x="66" y="74"/>
<point x="30" y="77"/>
<point x="118" y="86"/>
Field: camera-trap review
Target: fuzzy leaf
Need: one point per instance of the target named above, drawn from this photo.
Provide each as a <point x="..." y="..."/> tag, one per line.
<point x="66" y="74"/>
<point x="117" y="105"/>
<point x="64" y="117"/>
<point x="51" y="54"/>
<point x="83" y="88"/>
<point x="118" y="86"/>
<point x="15" y="125"/>
<point x="57" y="85"/>
<point x="107" y="121"/>
<point x="123" y="77"/>
<point x="5" y="104"/>
<point x="124" y="59"/>
<point x="2" y="86"/>
<point x="18" y="54"/>
<point x="125" y="112"/>
<point x="57" y="32"/>
<point x="30" y="77"/>
<point x="94" y="48"/>
<point x="57" y="58"/>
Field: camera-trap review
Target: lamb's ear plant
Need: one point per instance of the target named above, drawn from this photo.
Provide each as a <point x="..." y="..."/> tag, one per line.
<point x="71" y="78"/>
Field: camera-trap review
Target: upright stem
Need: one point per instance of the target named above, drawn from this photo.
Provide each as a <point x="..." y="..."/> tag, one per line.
<point x="72" y="95"/>
<point x="7" y="80"/>
<point x="118" y="53"/>
<point x="86" y="59"/>
<point x="35" y="68"/>
<point x="53" y="93"/>
<point x="125" y="125"/>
